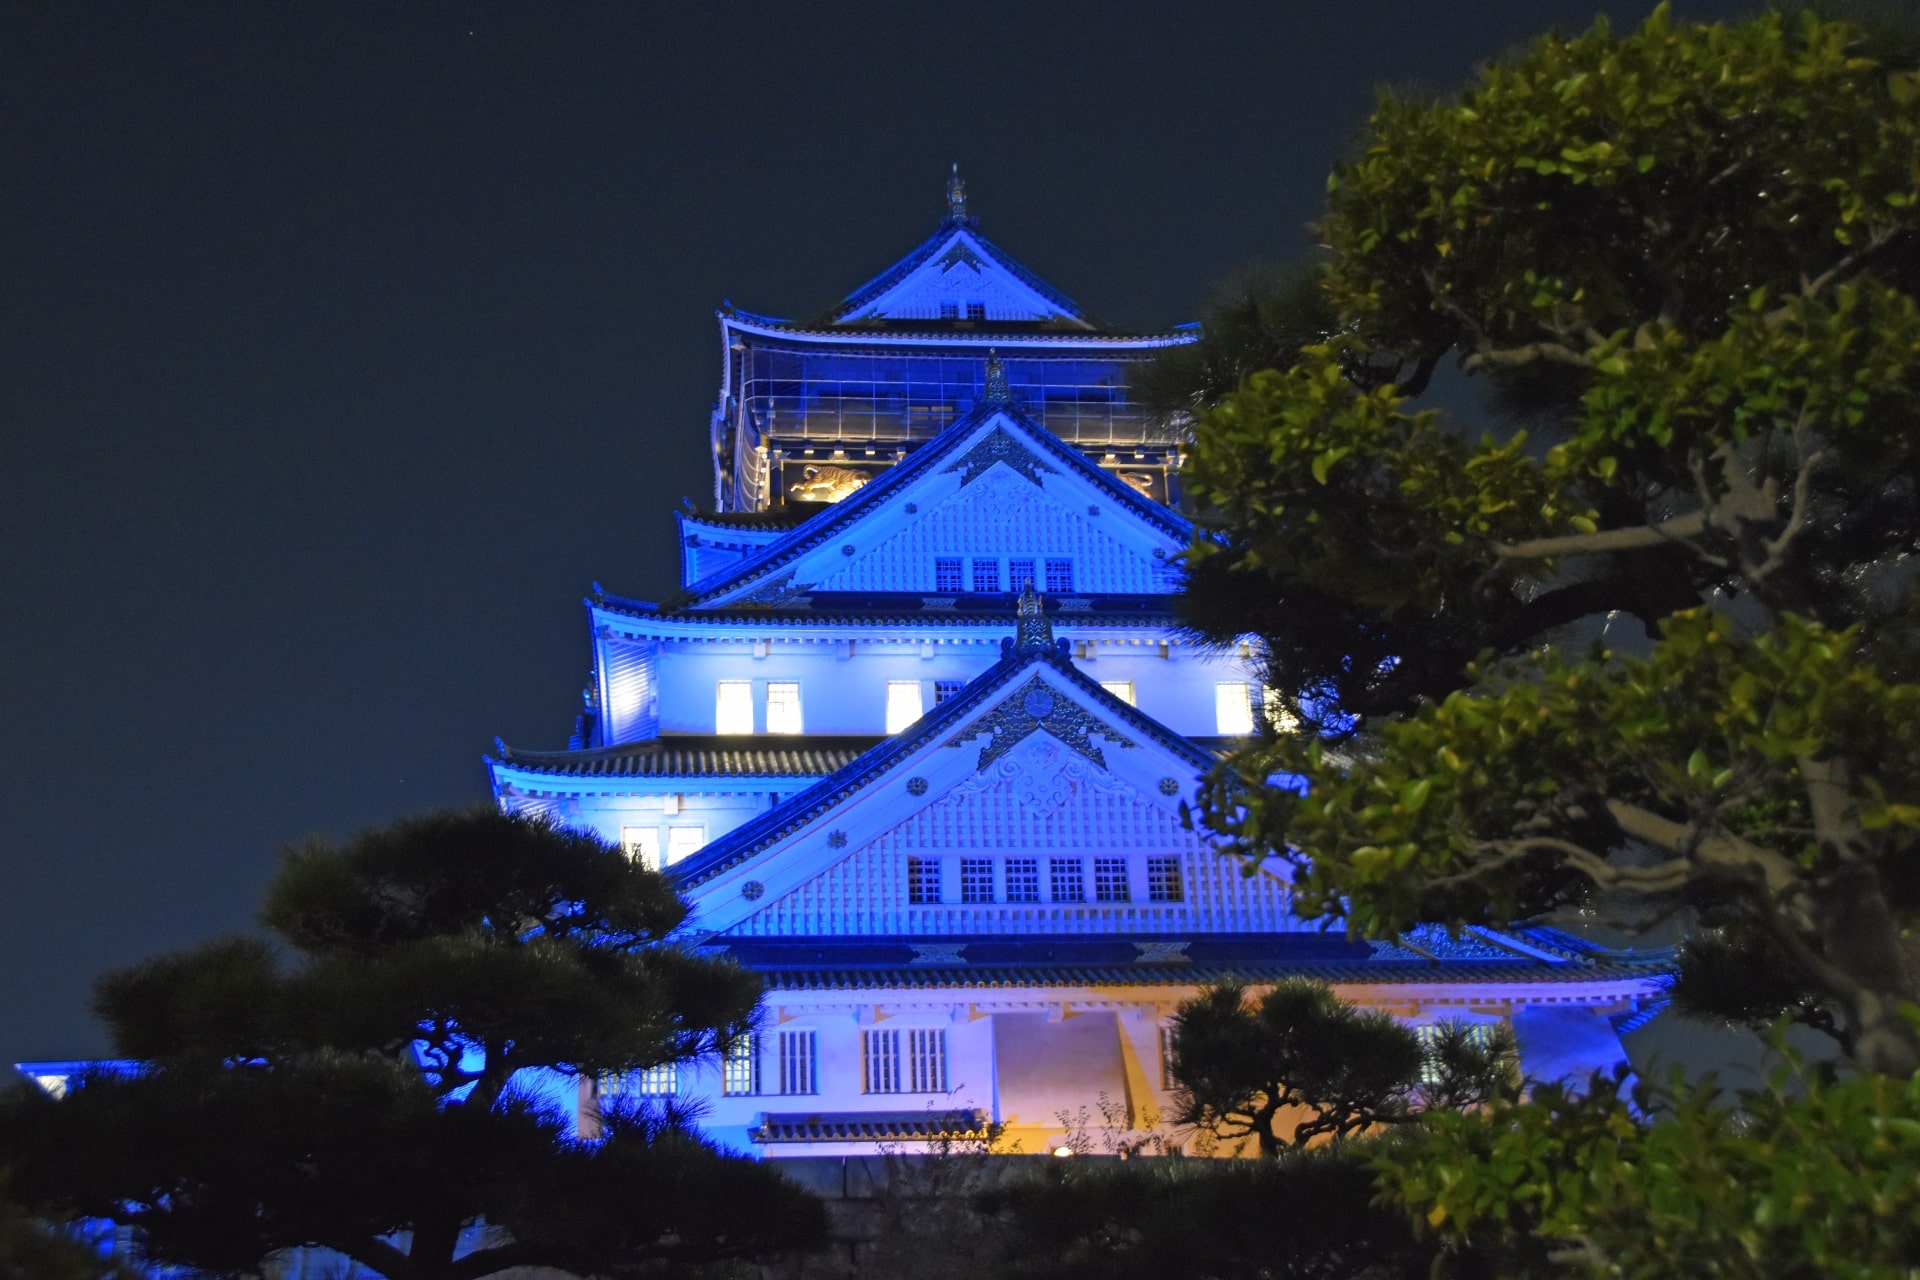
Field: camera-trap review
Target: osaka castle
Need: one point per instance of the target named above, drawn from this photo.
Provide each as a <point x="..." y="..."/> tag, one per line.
<point x="914" y="737"/>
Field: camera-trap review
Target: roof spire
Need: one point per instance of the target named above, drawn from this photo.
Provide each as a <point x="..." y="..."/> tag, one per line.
<point x="956" y="196"/>
<point x="997" y="392"/>
<point x="1035" y="629"/>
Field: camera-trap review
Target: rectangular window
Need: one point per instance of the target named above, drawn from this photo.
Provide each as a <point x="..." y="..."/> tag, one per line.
<point x="1059" y="576"/>
<point x="949" y="311"/>
<point x="734" y="711"/>
<point x="642" y="844"/>
<point x="976" y="879"/>
<point x="799" y="1054"/>
<point x="880" y="1062"/>
<point x="1233" y="708"/>
<point x="1121" y="689"/>
<point x="947" y="576"/>
<point x="944" y="689"/>
<point x="1020" y="573"/>
<point x="927" y="1061"/>
<point x="783" y="707"/>
<point x="1110" y="880"/>
<point x="923" y="881"/>
<point x="1480" y="1034"/>
<point x="1167" y="1080"/>
<point x="684" y="842"/>
<point x="662" y="1081"/>
<point x="986" y="575"/>
<point x="740" y="1069"/>
<point x="976" y="311"/>
<point x="904" y="704"/>
<point x="1163" y="879"/>
<point x="1067" y="877"/>
<point x="1023" y="879"/>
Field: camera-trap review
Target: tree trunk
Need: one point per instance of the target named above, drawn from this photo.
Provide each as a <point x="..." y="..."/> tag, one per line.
<point x="1861" y="938"/>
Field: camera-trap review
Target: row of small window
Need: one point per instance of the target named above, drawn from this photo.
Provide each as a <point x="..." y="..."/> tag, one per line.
<point x="953" y="575"/>
<point x="975" y="311"/>
<point x="913" y="1060"/>
<point x="1479" y="1034"/>
<point x="1237" y="704"/>
<point x="642" y="844"/>
<point x="1019" y="880"/>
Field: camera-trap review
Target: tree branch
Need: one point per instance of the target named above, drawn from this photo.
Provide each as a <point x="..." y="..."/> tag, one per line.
<point x="1716" y="850"/>
<point x="1638" y="538"/>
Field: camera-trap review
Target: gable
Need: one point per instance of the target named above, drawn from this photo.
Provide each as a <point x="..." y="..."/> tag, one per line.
<point x="958" y="273"/>
<point x="985" y="477"/>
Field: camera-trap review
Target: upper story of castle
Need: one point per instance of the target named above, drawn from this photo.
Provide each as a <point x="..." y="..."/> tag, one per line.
<point x="810" y="410"/>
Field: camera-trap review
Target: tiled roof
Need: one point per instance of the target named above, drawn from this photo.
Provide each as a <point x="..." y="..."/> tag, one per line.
<point x="789" y="516"/>
<point x="982" y="334"/>
<point x="892" y="609"/>
<point x="869" y="1126"/>
<point x="692" y="756"/>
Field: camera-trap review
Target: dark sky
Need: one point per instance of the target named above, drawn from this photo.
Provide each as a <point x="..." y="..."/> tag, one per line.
<point x="341" y="349"/>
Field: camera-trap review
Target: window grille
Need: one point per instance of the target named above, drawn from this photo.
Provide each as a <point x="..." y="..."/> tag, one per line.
<point x="1121" y="689"/>
<point x="1020" y="572"/>
<point x="642" y="844"/>
<point x="799" y="1056"/>
<point x="733" y="712"/>
<point x="1023" y="879"/>
<point x="1059" y="576"/>
<point x="1068" y="879"/>
<point x="986" y="575"/>
<point x="949" y="311"/>
<point x="880" y="1062"/>
<point x="1479" y="1034"/>
<point x="944" y="689"/>
<point x="923" y="880"/>
<point x="927" y="1061"/>
<point x="904" y="704"/>
<point x="976" y="879"/>
<point x="662" y="1081"/>
<point x="976" y="311"/>
<point x="1167" y="1080"/>
<point x="740" y="1069"/>
<point x="947" y="575"/>
<point x="1233" y="708"/>
<point x="1163" y="879"/>
<point x="1110" y="880"/>
<point x="684" y="842"/>
<point x="783" y="707"/>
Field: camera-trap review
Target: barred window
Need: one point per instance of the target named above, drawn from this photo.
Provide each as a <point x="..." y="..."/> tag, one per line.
<point x="1110" y="880"/>
<point x="923" y="880"/>
<point x="986" y="575"/>
<point x="880" y="1062"/>
<point x="927" y="1061"/>
<point x="1163" y="879"/>
<point x="949" y="311"/>
<point x="1479" y="1034"/>
<point x="740" y="1069"/>
<point x="921" y="1069"/>
<point x="944" y="689"/>
<point x="1023" y="879"/>
<point x="1068" y="879"/>
<point x="976" y="879"/>
<point x="1019" y="573"/>
<point x="1059" y="576"/>
<point x="799" y="1054"/>
<point x="662" y="1081"/>
<point x="947" y="577"/>
<point x="783" y="707"/>
<point x="976" y="311"/>
<point x="1167" y="1080"/>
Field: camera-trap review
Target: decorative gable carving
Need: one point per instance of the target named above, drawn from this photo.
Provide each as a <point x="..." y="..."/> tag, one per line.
<point x="961" y="274"/>
<point x="999" y="445"/>
<point x="1035" y="706"/>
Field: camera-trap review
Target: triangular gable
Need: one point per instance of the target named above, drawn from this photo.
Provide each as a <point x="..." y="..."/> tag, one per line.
<point x="995" y="482"/>
<point x="1031" y="731"/>
<point x="953" y="268"/>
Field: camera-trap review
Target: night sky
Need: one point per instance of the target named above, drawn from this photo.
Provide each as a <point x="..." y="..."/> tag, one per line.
<point x="340" y="350"/>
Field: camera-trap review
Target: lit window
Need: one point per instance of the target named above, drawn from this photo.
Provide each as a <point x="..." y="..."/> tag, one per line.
<point x="1059" y="576"/>
<point x="783" y="707"/>
<point x="986" y="575"/>
<point x="1163" y="879"/>
<point x="799" y="1054"/>
<point x="684" y="842"/>
<point x="740" y="1069"/>
<point x="904" y="704"/>
<point x="976" y="879"/>
<point x="734" y="711"/>
<point x="947" y="575"/>
<point x="1121" y="689"/>
<point x="1233" y="707"/>
<point x="923" y="881"/>
<point x="1020" y="573"/>
<point x="1067" y="878"/>
<point x="662" y="1081"/>
<point x="976" y="311"/>
<point x="1110" y="880"/>
<point x="642" y="844"/>
<point x="944" y="689"/>
<point x="1479" y="1035"/>
<point x="1023" y="879"/>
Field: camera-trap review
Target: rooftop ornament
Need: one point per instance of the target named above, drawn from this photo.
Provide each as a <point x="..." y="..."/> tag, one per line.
<point x="997" y="392"/>
<point x="956" y="196"/>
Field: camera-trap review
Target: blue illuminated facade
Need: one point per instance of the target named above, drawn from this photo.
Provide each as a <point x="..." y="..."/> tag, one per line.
<point x="915" y="738"/>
